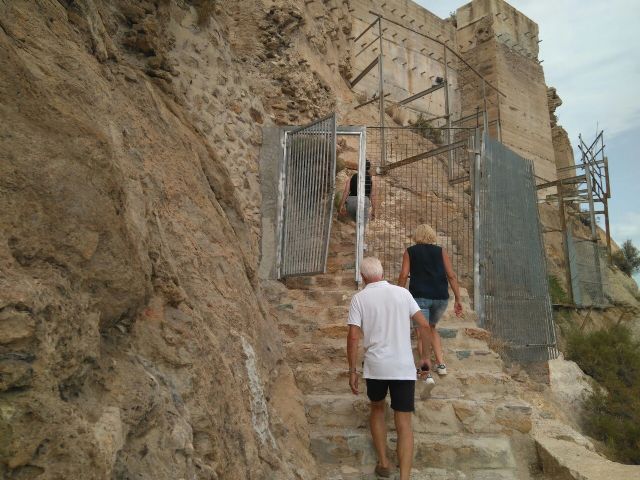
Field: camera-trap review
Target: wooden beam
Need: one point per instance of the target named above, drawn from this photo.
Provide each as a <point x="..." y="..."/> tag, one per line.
<point x="422" y="156"/>
<point x="355" y="81"/>
<point x="421" y="94"/>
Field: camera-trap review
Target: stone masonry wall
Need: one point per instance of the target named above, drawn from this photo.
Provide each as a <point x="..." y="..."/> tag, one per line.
<point x="502" y="44"/>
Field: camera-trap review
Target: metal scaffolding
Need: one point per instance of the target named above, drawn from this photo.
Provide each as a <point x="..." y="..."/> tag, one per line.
<point x="582" y="195"/>
<point x="423" y="170"/>
<point x="374" y="38"/>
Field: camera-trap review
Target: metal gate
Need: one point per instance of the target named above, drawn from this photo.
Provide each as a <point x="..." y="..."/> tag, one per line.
<point x="513" y="294"/>
<point x="306" y="192"/>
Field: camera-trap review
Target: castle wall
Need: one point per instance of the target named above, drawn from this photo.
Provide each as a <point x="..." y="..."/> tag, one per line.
<point x="492" y="36"/>
<point x="411" y="62"/>
<point x="502" y="44"/>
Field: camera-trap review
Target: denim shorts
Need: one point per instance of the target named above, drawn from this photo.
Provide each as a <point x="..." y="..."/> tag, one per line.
<point x="433" y="310"/>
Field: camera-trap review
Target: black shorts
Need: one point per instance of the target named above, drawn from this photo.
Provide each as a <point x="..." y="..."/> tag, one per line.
<point x="402" y="393"/>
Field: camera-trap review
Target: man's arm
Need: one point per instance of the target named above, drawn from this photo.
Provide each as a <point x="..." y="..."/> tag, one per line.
<point x="425" y="336"/>
<point x="404" y="271"/>
<point x="353" y="337"/>
<point x="453" y="281"/>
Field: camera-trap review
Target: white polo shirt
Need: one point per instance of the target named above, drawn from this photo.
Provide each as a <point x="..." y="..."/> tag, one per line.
<point x="383" y="312"/>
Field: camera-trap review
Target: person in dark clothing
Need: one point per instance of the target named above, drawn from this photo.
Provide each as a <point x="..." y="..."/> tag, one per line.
<point x="430" y="270"/>
<point x="349" y="205"/>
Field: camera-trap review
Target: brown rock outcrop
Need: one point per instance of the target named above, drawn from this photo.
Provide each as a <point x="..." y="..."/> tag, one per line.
<point x="561" y="142"/>
<point x="134" y="340"/>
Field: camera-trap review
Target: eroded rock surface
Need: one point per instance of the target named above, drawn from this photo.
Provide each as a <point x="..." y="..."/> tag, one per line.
<point x="129" y="233"/>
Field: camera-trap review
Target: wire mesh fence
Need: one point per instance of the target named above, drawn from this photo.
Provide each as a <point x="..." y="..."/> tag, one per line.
<point x="420" y="181"/>
<point x="514" y="299"/>
<point x="588" y="265"/>
<point x="307" y="191"/>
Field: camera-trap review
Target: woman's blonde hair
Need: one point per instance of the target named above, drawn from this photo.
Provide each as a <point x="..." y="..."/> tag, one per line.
<point x="425" y="234"/>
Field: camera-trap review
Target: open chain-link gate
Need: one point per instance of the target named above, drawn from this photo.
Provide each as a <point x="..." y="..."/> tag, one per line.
<point x="306" y="192"/>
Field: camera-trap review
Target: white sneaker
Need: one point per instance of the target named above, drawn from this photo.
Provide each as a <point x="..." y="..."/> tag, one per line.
<point x="441" y="369"/>
<point x="429" y="381"/>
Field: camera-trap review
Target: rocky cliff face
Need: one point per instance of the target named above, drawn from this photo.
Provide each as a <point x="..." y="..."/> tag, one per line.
<point x="134" y="339"/>
<point x="561" y="143"/>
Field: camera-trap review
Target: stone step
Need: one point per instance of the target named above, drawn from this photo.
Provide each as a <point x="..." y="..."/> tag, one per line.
<point x="323" y="379"/>
<point x="319" y="298"/>
<point x="319" y="328"/>
<point x="323" y="281"/>
<point x="366" y="472"/>
<point x="482" y="415"/>
<point x="334" y="352"/>
<point x="472" y="384"/>
<point x="467" y="452"/>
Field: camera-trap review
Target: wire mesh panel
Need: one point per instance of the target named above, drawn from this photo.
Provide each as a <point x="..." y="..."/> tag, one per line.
<point x="588" y="265"/>
<point x="421" y="180"/>
<point x="514" y="292"/>
<point x="307" y="190"/>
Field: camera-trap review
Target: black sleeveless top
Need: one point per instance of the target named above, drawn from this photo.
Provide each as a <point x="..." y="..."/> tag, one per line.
<point x="353" y="185"/>
<point x="428" y="276"/>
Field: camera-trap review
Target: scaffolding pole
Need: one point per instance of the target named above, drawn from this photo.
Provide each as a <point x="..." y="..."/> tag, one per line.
<point x="447" y="109"/>
<point x="565" y="239"/>
<point x="383" y="152"/>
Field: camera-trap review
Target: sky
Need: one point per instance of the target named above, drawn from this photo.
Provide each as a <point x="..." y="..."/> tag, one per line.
<point x="591" y="54"/>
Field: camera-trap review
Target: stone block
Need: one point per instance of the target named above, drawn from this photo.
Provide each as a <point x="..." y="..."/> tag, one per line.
<point x="435" y="416"/>
<point x="15" y="371"/>
<point x="566" y="460"/>
<point x="462" y="451"/>
<point x="514" y="416"/>
<point x="446" y="333"/>
<point x="15" y="325"/>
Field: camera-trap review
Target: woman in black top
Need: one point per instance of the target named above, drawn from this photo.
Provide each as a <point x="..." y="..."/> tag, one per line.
<point x="431" y="274"/>
<point x="349" y="203"/>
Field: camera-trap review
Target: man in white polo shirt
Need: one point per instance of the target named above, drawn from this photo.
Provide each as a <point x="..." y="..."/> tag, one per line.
<point x="382" y="313"/>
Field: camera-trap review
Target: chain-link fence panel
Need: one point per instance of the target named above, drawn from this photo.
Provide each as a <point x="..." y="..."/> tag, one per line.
<point x="515" y="305"/>
<point x="421" y="179"/>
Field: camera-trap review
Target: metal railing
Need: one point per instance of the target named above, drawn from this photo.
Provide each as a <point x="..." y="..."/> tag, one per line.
<point x="306" y="192"/>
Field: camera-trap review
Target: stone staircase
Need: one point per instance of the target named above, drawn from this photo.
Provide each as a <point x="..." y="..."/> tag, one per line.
<point x="472" y="425"/>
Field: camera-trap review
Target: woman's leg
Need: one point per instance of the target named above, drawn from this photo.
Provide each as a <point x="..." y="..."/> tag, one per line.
<point x="436" y="344"/>
<point x="352" y="207"/>
<point x="437" y="310"/>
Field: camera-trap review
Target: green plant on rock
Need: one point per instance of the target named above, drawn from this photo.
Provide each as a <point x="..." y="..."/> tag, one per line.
<point x="558" y="294"/>
<point x="427" y="130"/>
<point x="627" y="259"/>
<point x="453" y="18"/>
<point x="612" y="415"/>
